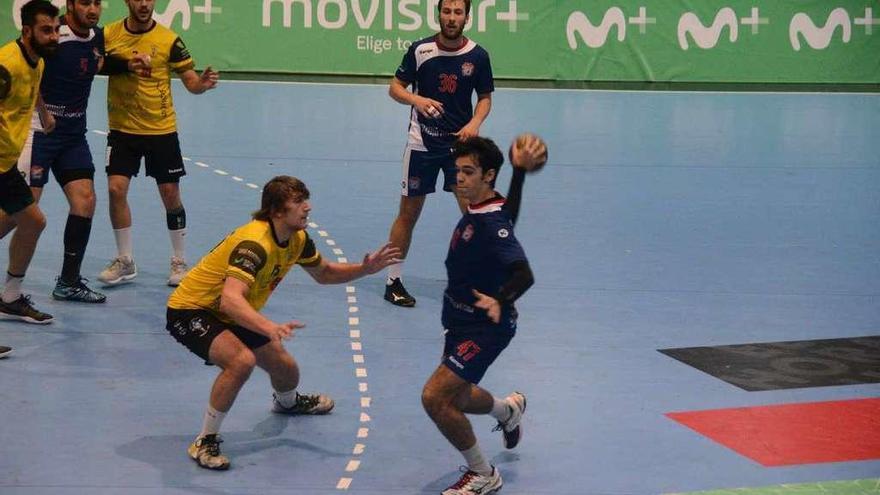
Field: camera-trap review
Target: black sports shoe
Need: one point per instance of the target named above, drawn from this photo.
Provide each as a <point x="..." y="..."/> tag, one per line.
<point x="22" y="309"/>
<point x="77" y="291"/>
<point x="5" y="351"/>
<point x="397" y="295"/>
<point x="305" y="404"/>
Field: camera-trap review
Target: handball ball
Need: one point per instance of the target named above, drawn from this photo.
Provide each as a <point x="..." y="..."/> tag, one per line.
<point x="523" y="160"/>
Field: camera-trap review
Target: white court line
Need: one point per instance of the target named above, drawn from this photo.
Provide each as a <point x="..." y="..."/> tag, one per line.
<point x="220" y="172"/>
<point x="360" y="372"/>
<point x="355" y="334"/>
<point x="352" y="299"/>
<point x="203" y="165"/>
<point x="363" y="432"/>
<point x="343" y="484"/>
<point x="342" y="260"/>
<point x="362" y="387"/>
<point x="350" y="289"/>
<point x="237" y="179"/>
<point x="352" y="465"/>
<point x="365" y="418"/>
<point x="252" y="185"/>
<point x="365" y="401"/>
<point x="358" y="449"/>
<point x="358" y="358"/>
<point x="354" y="320"/>
<point x="353" y="309"/>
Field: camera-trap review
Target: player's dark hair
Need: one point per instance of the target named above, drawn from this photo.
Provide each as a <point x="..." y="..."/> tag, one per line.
<point x="467" y="6"/>
<point x="32" y="9"/>
<point x="277" y="192"/>
<point x="484" y="151"/>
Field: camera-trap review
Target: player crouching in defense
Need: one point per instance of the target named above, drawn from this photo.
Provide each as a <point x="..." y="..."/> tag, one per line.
<point x="215" y="310"/>
<point x="487" y="271"/>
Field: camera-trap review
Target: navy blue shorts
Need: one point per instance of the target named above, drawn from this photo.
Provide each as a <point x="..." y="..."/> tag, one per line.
<point x="421" y="168"/>
<point x="469" y="352"/>
<point x="67" y="156"/>
<point x="196" y="329"/>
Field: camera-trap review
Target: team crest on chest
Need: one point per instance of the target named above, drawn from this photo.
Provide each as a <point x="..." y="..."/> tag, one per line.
<point x="468" y="233"/>
<point x="467" y="69"/>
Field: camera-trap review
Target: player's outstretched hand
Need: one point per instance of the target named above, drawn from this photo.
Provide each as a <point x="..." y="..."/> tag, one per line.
<point x="490" y="304"/>
<point x="284" y="331"/>
<point x="381" y="258"/>
<point x="209" y="78"/>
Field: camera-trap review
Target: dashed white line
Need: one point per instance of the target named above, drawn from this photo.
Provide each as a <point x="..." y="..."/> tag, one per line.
<point x="365" y="418"/>
<point x="362" y="387"/>
<point x="363" y="432"/>
<point x="337" y="251"/>
<point x="360" y="372"/>
<point x="365" y="401"/>
<point x="220" y="172"/>
<point x="358" y="358"/>
<point x="322" y="233"/>
<point x="331" y="242"/>
<point x="203" y="165"/>
<point x="356" y="346"/>
<point x="352" y="465"/>
<point x="343" y="484"/>
<point x="342" y="260"/>
<point x="353" y="321"/>
<point x="358" y="449"/>
<point x="355" y="334"/>
<point x="252" y="185"/>
<point x="353" y="309"/>
<point x="237" y="179"/>
<point x="352" y="299"/>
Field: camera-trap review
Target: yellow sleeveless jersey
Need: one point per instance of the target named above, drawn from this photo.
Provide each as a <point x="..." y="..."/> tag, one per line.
<point x="143" y="105"/>
<point x="19" y="86"/>
<point x="251" y="254"/>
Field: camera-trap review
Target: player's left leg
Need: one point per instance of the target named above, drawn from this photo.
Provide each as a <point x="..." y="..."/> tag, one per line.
<point x="164" y="162"/>
<point x="79" y="188"/>
<point x="446" y="398"/>
<point x="284" y="374"/>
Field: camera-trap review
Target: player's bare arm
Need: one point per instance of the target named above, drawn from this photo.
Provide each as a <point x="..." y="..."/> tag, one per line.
<point x="328" y="272"/>
<point x="234" y="304"/>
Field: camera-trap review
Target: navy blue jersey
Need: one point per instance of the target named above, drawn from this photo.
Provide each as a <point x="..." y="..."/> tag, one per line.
<point x="450" y="77"/>
<point x="482" y="248"/>
<point x="67" y="80"/>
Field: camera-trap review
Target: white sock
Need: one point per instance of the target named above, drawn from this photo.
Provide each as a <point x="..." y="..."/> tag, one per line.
<point x="177" y="241"/>
<point x="286" y="399"/>
<point x="475" y="460"/>
<point x="212" y="422"/>
<point x="394" y="272"/>
<point x="500" y="409"/>
<point x="12" y="289"/>
<point x="123" y="242"/>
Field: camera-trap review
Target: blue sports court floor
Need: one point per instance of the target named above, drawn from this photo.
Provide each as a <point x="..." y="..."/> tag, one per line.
<point x="663" y="220"/>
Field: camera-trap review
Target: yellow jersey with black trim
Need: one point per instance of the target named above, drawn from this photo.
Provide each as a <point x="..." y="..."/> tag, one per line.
<point x="251" y="254"/>
<point x="19" y="87"/>
<point x="143" y="104"/>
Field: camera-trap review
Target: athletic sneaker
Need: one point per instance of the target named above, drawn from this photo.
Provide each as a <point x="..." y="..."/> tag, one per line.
<point x="77" y="291"/>
<point x="472" y="483"/>
<point x="5" y="351"/>
<point x="122" y="269"/>
<point x="305" y="404"/>
<point x="178" y="271"/>
<point x="23" y="309"/>
<point x="206" y="452"/>
<point x="511" y="429"/>
<point x="397" y="295"/>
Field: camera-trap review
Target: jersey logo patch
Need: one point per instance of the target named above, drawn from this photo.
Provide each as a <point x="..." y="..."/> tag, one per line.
<point x="467" y="69"/>
<point x="468" y="233"/>
<point x="503" y="233"/>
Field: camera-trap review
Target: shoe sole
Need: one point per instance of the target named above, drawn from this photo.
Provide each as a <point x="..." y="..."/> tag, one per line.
<point x="6" y="354"/>
<point x="26" y="319"/>
<point x="118" y="281"/>
<point x="316" y="413"/>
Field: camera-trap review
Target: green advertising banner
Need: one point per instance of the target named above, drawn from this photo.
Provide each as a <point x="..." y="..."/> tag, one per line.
<point x="781" y="41"/>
